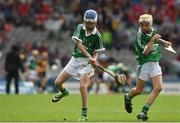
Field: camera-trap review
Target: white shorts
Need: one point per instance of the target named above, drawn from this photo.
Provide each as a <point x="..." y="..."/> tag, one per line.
<point x="148" y="70"/>
<point x="78" y="66"/>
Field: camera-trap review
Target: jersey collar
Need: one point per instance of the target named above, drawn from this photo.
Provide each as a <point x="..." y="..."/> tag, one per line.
<point x="93" y="32"/>
<point x="147" y="34"/>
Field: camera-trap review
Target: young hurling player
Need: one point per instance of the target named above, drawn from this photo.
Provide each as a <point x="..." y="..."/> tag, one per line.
<point x="84" y="57"/>
<point x="147" y="52"/>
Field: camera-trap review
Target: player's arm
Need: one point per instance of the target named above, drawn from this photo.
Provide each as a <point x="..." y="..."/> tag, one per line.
<point x="148" y="47"/>
<point x="81" y="47"/>
<point x="164" y="42"/>
<point x="77" y="39"/>
<point x="95" y="55"/>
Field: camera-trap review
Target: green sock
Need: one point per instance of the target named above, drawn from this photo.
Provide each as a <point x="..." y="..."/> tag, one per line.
<point x="84" y="112"/>
<point x="146" y="107"/>
<point x="64" y="91"/>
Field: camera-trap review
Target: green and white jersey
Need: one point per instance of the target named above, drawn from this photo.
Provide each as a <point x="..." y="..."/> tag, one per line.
<point x="140" y="44"/>
<point x="92" y="42"/>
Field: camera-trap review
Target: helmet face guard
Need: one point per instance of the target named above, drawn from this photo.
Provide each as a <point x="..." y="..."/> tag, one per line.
<point x="90" y="16"/>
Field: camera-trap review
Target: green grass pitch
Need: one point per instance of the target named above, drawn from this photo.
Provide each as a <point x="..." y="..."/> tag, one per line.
<point x="101" y="108"/>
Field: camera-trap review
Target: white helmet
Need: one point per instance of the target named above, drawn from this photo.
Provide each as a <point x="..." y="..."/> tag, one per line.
<point x="146" y="18"/>
<point x="90" y="16"/>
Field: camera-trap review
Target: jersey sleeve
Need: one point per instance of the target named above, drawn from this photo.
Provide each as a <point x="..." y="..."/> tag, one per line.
<point x="77" y="34"/>
<point x="141" y="42"/>
<point x="99" y="44"/>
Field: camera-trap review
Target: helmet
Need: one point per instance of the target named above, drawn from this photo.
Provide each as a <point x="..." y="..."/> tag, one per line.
<point x="90" y="16"/>
<point x="146" y="18"/>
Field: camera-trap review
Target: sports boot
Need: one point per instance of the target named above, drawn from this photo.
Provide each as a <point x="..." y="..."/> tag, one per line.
<point x="127" y="103"/>
<point x="59" y="96"/>
<point x="142" y="116"/>
<point x="83" y="118"/>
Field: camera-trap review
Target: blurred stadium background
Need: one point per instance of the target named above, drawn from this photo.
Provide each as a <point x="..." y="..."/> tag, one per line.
<point x="43" y="28"/>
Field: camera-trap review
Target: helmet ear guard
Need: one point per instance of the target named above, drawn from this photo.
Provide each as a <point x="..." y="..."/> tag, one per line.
<point x="146" y="18"/>
<point x="90" y="16"/>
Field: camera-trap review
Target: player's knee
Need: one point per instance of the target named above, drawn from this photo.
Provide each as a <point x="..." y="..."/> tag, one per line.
<point x="83" y="87"/>
<point x="158" y="89"/>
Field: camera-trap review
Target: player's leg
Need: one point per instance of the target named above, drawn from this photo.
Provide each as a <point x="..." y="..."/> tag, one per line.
<point x="157" y="87"/>
<point x="84" y="95"/>
<point x="94" y="81"/>
<point x="142" y="71"/>
<point x="133" y="92"/>
<point x="90" y="85"/>
<point x="62" y="77"/>
<point x="138" y="89"/>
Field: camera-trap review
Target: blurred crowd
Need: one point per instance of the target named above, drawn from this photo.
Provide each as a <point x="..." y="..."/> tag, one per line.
<point x="117" y="18"/>
<point x="117" y="23"/>
<point x="32" y="68"/>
